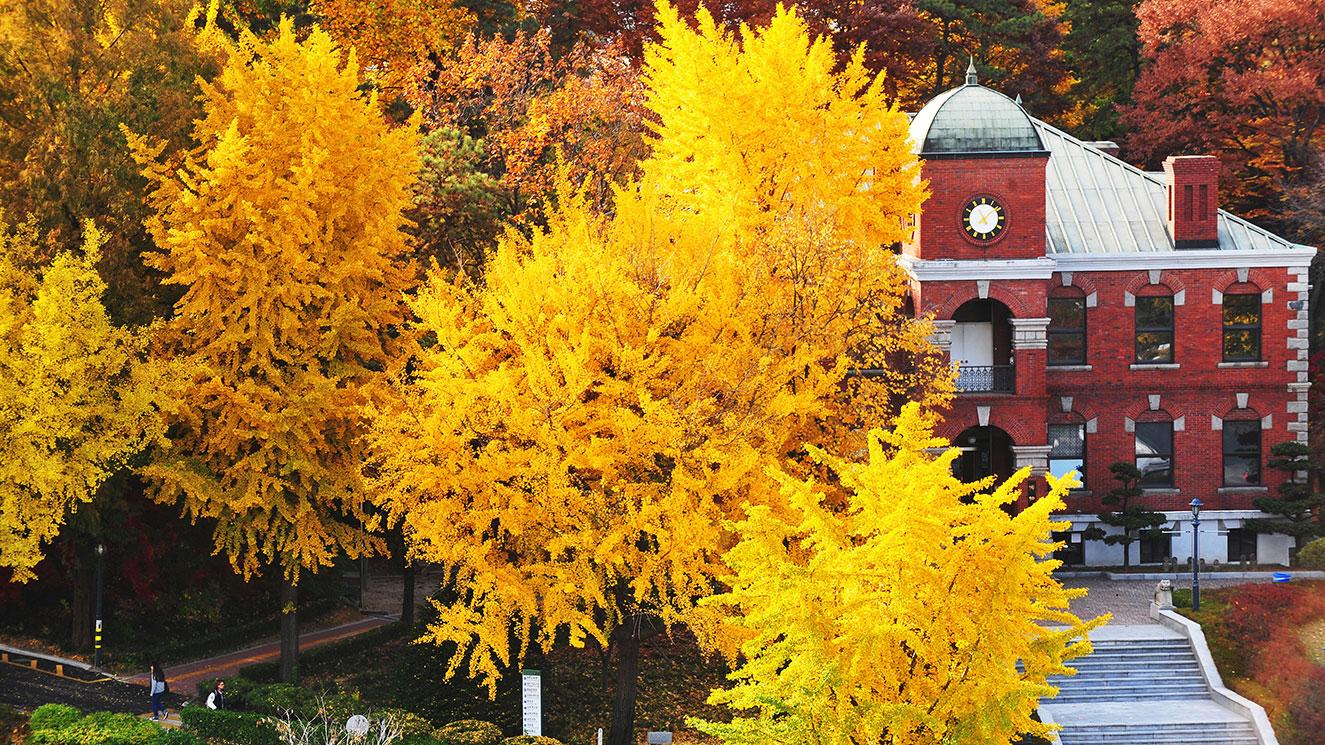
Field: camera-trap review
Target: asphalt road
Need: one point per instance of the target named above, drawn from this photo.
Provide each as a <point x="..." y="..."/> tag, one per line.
<point x="28" y="689"/>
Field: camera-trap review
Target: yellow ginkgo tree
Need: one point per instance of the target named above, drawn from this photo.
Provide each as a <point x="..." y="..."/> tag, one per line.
<point x="582" y="423"/>
<point x="76" y="394"/>
<point x="891" y="603"/>
<point x="283" y="227"/>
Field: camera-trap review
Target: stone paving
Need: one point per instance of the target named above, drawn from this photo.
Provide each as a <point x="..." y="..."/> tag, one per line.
<point x="1128" y="600"/>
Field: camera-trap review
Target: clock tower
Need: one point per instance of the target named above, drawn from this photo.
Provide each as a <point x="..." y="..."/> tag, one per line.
<point x="985" y="163"/>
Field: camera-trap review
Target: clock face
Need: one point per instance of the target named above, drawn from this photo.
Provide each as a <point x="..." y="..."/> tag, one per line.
<point x="984" y="218"/>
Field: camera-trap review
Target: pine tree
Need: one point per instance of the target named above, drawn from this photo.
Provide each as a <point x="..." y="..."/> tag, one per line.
<point x="1297" y="506"/>
<point x="1133" y="517"/>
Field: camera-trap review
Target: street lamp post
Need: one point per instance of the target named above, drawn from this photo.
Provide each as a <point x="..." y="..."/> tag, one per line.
<point x="96" y="638"/>
<point x="1196" y="554"/>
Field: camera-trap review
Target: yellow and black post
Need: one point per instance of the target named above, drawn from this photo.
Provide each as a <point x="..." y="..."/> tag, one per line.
<point x="96" y="638"/>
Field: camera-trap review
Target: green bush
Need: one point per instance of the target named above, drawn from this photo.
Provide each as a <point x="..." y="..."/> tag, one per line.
<point x="1312" y="555"/>
<point x="177" y="737"/>
<point x="99" y="728"/>
<point x="53" y="716"/>
<point x="468" y="732"/>
<point x="242" y="728"/>
<point x="411" y="724"/>
<point x="531" y="740"/>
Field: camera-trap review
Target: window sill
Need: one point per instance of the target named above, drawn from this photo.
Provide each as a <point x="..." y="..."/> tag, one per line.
<point x="1160" y="491"/>
<point x="1243" y="490"/>
<point x="1070" y="368"/>
<point x="1083" y="493"/>
<point x="1237" y="365"/>
<point x="1154" y="366"/>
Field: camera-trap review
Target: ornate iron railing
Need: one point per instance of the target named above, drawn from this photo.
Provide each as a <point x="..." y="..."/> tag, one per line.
<point x="987" y="379"/>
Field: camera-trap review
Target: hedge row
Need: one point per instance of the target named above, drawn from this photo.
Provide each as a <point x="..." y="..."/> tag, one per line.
<point x="240" y="727"/>
<point x="57" y="724"/>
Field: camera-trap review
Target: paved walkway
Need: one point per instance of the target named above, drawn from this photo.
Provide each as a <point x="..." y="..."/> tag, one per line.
<point x="1128" y="600"/>
<point x="185" y="678"/>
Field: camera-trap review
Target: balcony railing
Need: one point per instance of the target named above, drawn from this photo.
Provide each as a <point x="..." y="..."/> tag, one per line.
<point x="987" y="379"/>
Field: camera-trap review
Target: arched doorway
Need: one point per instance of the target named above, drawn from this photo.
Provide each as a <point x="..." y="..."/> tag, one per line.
<point x="982" y="347"/>
<point x="986" y="451"/>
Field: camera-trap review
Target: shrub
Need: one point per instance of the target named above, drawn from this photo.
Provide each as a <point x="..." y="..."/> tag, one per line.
<point x="99" y="728"/>
<point x="411" y="724"/>
<point x="176" y="737"/>
<point x="242" y="728"/>
<point x="468" y="732"/>
<point x="530" y="740"/>
<point x="53" y="716"/>
<point x="1312" y="555"/>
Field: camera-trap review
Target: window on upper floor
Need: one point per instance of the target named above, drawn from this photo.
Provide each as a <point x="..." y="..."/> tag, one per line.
<point x="1242" y="453"/>
<point x="1067" y="450"/>
<point x="1154" y="454"/>
<point x="1067" y="328"/>
<point x="1154" y="329"/>
<point x="1242" y="327"/>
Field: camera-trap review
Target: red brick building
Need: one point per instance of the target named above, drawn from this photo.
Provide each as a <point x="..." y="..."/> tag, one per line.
<point x="1100" y="313"/>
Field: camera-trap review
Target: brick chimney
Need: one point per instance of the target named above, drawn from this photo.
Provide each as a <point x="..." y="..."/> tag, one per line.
<point x="1193" y="197"/>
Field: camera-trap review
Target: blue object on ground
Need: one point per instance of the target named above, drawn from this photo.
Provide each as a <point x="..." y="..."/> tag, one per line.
<point x="1281" y="577"/>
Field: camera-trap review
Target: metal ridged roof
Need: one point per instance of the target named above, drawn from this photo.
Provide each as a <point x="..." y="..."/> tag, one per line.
<point x="1097" y="203"/>
<point x="973" y="119"/>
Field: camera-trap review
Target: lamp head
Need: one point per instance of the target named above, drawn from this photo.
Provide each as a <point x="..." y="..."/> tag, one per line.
<point x="1196" y="507"/>
<point x="101" y="549"/>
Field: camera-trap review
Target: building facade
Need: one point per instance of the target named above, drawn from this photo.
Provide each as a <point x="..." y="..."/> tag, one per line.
<point x="1098" y="313"/>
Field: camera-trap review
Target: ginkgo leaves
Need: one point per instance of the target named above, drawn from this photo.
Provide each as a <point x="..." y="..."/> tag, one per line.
<point x="899" y="614"/>
<point x="76" y="394"/>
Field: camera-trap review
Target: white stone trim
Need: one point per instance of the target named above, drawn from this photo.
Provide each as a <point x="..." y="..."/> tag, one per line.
<point x="1035" y="456"/>
<point x="937" y="270"/>
<point x="1180" y="297"/>
<point x="1092" y="300"/>
<point x="1128" y="424"/>
<point x="1243" y="273"/>
<point x="1029" y="333"/>
<point x="1216" y="297"/>
<point x="1241" y="399"/>
<point x="1154" y="275"/>
<point x="1129" y="300"/>
<point x="982" y="415"/>
<point x="1216" y="424"/>
<point x="1180" y="424"/>
<point x="1154" y="400"/>
<point x="1268" y="295"/>
<point x="982" y="289"/>
<point x="1066" y="279"/>
<point x="1092" y="425"/>
<point x="942" y="335"/>
<point x="1066" y="403"/>
<point x="1186" y="259"/>
<point x="1267" y="421"/>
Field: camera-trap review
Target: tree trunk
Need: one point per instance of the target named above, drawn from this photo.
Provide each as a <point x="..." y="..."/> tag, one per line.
<point x="407" y="593"/>
<point x="289" y="631"/>
<point x="80" y="606"/>
<point x="627" y="639"/>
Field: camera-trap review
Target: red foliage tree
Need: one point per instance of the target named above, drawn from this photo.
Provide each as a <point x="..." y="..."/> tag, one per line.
<point x="1245" y="81"/>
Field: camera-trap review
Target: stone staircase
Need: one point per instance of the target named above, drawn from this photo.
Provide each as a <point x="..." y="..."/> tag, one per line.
<point x="1142" y="686"/>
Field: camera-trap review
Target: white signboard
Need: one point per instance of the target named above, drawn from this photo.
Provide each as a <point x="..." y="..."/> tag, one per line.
<point x="532" y="697"/>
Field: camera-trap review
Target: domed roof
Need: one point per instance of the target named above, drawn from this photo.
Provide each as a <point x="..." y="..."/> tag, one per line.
<point x="974" y="119"/>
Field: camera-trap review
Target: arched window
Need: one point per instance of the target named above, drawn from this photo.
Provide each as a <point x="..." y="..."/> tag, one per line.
<point x="1154" y="453"/>
<point x="1242" y="324"/>
<point x="1067" y="448"/>
<point x="1242" y="452"/>
<point x="1154" y="328"/>
<point x="1067" y="327"/>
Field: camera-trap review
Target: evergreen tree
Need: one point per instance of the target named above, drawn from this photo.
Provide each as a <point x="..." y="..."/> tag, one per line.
<point x="1104" y="56"/>
<point x="1135" y="519"/>
<point x="1294" y="509"/>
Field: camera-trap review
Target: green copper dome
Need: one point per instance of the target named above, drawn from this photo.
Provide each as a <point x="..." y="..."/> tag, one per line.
<point x="973" y="119"/>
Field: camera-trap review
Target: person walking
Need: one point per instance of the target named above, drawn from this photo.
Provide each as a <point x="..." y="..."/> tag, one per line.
<point x="157" y="689"/>
<point x="216" y="699"/>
